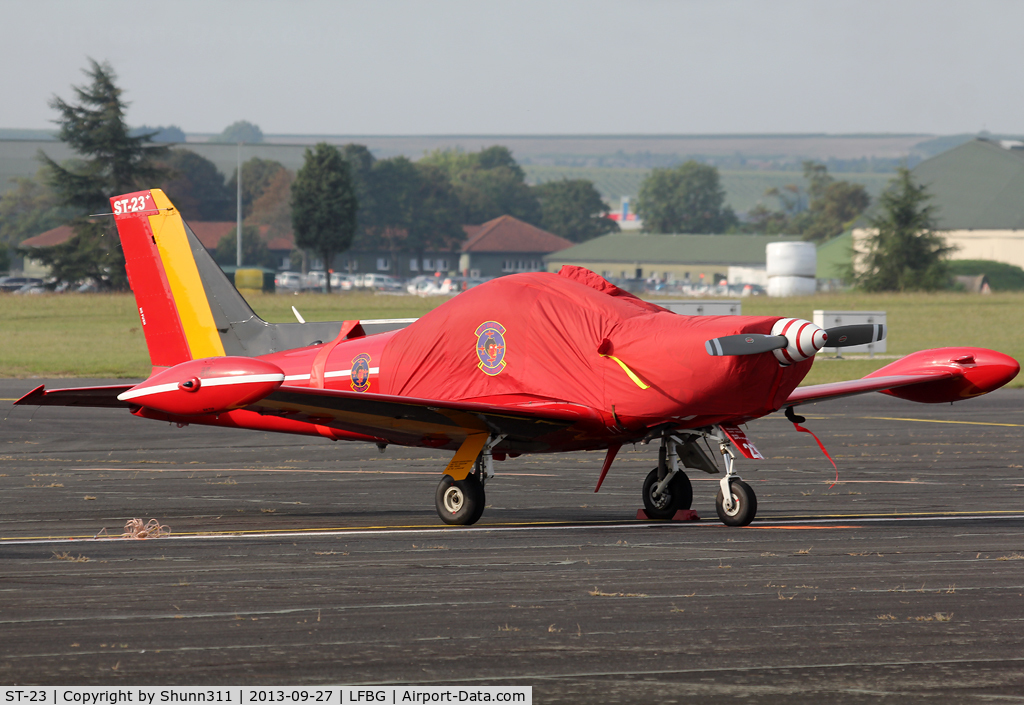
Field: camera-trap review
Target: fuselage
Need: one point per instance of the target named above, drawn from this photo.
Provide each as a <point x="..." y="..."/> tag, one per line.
<point x="648" y="375"/>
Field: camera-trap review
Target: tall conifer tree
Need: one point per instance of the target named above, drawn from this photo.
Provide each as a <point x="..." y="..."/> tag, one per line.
<point x="112" y="162"/>
<point x="905" y="253"/>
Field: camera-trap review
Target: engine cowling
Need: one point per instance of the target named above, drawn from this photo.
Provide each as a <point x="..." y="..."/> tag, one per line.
<point x="206" y="386"/>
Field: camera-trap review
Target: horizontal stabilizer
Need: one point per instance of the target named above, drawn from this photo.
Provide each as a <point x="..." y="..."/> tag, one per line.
<point x="97" y="397"/>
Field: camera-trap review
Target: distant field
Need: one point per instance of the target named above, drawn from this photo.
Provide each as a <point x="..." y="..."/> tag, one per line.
<point x="743" y="188"/>
<point x="90" y="335"/>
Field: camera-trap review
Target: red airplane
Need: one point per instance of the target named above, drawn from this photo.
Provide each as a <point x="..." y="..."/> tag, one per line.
<point x="528" y="363"/>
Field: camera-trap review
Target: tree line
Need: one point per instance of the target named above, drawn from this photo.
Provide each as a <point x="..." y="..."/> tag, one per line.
<point x="344" y="198"/>
<point x="396" y="204"/>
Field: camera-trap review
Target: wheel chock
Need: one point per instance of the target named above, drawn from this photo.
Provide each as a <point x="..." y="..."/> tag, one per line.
<point x="680" y="515"/>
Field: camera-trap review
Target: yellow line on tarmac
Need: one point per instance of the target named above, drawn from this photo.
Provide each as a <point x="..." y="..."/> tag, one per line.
<point x="967" y="423"/>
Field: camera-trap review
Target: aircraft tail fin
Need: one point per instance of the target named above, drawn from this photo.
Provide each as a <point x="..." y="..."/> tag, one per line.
<point x="188" y="307"/>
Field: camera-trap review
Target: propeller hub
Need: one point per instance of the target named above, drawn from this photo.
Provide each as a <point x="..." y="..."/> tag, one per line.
<point x="805" y="339"/>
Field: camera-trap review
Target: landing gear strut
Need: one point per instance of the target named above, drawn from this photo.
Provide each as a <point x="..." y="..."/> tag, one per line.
<point x="667" y="489"/>
<point x="735" y="503"/>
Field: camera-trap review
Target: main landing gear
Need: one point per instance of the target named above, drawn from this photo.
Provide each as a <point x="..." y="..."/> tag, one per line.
<point x="461" y="502"/>
<point x="667" y="489"/>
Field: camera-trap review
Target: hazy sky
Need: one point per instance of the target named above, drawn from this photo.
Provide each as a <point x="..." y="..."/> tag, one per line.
<point x="526" y="67"/>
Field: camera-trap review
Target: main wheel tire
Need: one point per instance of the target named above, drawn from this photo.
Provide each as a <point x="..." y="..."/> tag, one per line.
<point x="678" y="495"/>
<point x="744" y="506"/>
<point x="459" y="502"/>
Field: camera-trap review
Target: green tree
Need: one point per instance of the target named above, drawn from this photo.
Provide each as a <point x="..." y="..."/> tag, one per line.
<point x="273" y="207"/>
<point x="686" y="199"/>
<point x="488" y="183"/>
<point x="254" y="249"/>
<point x="904" y="252"/>
<point x="80" y="258"/>
<point x="112" y="162"/>
<point x="763" y="220"/>
<point x="436" y="222"/>
<point x="30" y="208"/>
<point x="240" y="131"/>
<point x="196" y="187"/>
<point x="486" y="194"/>
<point x="573" y="209"/>
<point x="834" y="211"/>
<point x="407" y="206"/>
<point x="324" y="204"/>
<point x="823" y="211"/>
<point x="391" y="195"/>
<point x="257" y="175"/>
<point x="171" y="133"/>
<point x="361" y="161"/>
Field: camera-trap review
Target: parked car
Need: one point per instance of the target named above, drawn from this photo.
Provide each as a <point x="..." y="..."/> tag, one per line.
<point x="14" y="283"/>
<point x="314" y="281"/>
<point x="32" y="289"/>
<point x="288" y="281"/>
<point x="341" y="282"/>
<point x="381" y="282"/>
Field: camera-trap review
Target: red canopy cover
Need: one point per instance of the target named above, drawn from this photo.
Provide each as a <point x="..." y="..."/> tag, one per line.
<point x="557" y="337"/>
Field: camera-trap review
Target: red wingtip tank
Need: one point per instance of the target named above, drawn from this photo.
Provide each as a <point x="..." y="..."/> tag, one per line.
<point x="976" y="371"/>
<point x="206" y="386"/>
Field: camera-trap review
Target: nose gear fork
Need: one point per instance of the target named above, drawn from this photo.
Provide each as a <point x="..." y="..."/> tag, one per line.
<point x="729" y="458"/>
<point x="736" y="503"/>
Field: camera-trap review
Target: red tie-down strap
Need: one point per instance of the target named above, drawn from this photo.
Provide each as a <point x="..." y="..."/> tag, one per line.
<point x="797" y="420"/>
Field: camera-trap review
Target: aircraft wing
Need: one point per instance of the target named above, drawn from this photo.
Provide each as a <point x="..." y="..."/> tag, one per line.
<point x="838" y="390"/>
<point x="101" y="397"/>
<point x="401" y="419"/>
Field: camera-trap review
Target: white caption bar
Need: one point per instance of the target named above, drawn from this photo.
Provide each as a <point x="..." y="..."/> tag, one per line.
<point x="300" y="695"/>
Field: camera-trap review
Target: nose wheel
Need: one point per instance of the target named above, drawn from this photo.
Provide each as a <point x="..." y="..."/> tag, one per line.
<point x="742" y="508"/>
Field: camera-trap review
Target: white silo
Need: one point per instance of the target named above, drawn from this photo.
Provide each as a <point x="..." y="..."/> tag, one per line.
<point x="791" y="268"/>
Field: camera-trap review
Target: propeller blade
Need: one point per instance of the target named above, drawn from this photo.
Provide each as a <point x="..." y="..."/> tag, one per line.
<point x="847" y="336"/>
<point x="745" y="344"/>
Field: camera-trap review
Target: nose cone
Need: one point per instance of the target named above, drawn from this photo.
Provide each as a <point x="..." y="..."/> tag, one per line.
<point x="805" y="339"/>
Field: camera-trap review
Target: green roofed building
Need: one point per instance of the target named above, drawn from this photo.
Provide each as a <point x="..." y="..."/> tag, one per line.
<point x="634" y="255"/>
<point x="978" y="191"/>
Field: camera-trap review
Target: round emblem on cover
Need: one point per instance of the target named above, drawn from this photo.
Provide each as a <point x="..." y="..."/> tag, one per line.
<point x="748" y="340"/>
<point x="361" y="372"/>
<point x="490" y="347"/>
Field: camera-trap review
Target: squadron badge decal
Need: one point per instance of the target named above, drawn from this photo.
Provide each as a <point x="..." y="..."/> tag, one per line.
<point x="490" y="347"/>
<point x="361" y="373"/>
